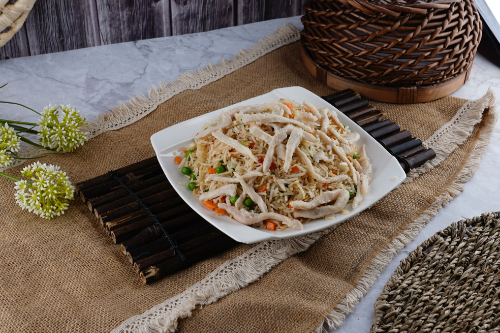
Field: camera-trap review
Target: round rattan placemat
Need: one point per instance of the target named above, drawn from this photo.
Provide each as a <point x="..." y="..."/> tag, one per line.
<point x="450" y="283"/>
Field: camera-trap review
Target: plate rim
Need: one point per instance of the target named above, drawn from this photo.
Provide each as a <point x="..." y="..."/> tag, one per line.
<point x="253" y="235"/>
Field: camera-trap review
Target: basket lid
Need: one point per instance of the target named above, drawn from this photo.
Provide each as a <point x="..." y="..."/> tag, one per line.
<point x="397" y="7"/>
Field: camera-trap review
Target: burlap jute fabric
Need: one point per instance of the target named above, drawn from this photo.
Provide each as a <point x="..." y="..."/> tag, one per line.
<point x="65" y="275"/>
<point x="449" y="283"/>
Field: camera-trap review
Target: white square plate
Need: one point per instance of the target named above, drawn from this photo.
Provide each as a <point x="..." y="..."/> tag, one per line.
<point x="387" y="173"/>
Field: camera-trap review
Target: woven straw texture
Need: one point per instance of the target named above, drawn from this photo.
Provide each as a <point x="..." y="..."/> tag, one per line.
<point x="12" y="17"/>
<point x="393" y="43"/>
<point x="450" y="283"/>
<point x="65" y="275"/>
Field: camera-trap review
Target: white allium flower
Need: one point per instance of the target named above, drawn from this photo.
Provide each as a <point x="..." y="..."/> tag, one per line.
<point x="48" y="192"/>
<point x="60" y="128"/>
<point x="9" y="143"/>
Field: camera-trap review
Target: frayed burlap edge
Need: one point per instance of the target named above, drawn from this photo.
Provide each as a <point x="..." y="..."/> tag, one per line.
<point x="454" y="133"/>
<point x="140" y="106"/>
<point x="450" y="136"/>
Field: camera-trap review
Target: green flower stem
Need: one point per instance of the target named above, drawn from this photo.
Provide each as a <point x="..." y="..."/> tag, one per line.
<point x="23" y="129"/>
<point x="24" y="106"/>
<point x="16" y="122"/>
<point x="4" y="85"/>
<point x="35" y="144"/>
<point x="10" y="177"/>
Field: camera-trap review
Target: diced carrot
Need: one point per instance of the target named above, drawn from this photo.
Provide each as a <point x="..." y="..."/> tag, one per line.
<point x="211" y="171"/>
<point x="185" y="151"/>
<point x="271" y="226"/>
<point x="252" y="144"/>
<point x="290" y="106"/>
<point x="325" y="184"/>
<point x="209" y="204"/>
<point x="273" y="166"/>
<point x="334" y="172"/>
<point x="223" y="199"/>
<point x="263" y="188"/>
<point x="260" y="159"/>
<point x="291" y="116"/>
<point x="220" y="211"/>
<point x="289" y="206"/>
<point x="233" y="150"/>
<point x="177" y="160"/>
<point x="295" y="169"/>
<point x="311" y="133"/>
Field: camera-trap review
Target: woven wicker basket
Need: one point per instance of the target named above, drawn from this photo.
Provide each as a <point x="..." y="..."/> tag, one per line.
<point x="401" y="51"/>
<point x="12" y="17"/>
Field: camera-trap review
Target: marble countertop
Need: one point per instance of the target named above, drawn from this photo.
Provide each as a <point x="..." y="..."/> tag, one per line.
<point x="96" y="79"/>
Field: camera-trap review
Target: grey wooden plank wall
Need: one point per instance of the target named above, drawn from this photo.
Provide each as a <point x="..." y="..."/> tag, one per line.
<point x="62" y="25"/>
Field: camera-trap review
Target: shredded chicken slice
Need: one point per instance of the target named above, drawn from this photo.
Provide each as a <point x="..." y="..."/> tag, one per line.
<point x="229" y="189"/>
<point x="335" y="119"/>
<point x="225" y="121"/>
<point x="348" y="149"/>
<point x="362" y="190"/>
<point x="242" y="109"/>
<point x="280" y="151"/>
<point x="325" y="121"/>
<point x="260" y="134"/>
<point x="293" y="142"/>
<point x="222" y="179"/>
<point x="348" y="139"/>
<point x="248" y="218"/>
<point x="278" y="138"/>
<point x="313" y="109"/>
<point x="323" y="198"/>
<point x="340" y="153"/>
<point x="307" y="116"/>
<point x="320" y="156"/>
<point x="308" y="136"/>
<point x="234" y="144"/>
<point x="365" y="163"/>
<point x="315" y="213"/>
<point x="248" y="190"/>
<point x="310" y="170"/>
<point x="272" y="118"/>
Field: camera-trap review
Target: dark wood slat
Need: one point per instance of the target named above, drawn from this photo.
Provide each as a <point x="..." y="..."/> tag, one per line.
<point x="60" y="25"/>
<point x="279" y="9"/>
<point x="201" y="15"/>
<point x="132" y="20"/>
<point x="261" y="10"/>
<point x="16" y="47"/>
<point x="250" y="11"/>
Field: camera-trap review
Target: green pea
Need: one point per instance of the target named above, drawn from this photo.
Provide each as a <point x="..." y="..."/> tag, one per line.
<point x="193" y="176"/>
<point x="189" y="152"/>
<point x="192" y="186"/>
<point x="355" y="156"/>
<point x="234" y="199"/>
<point x="248" y="202"/>
<point x="351" y="195"/>
<point x="186" y="171"/>
<point x="220" y="169"/>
